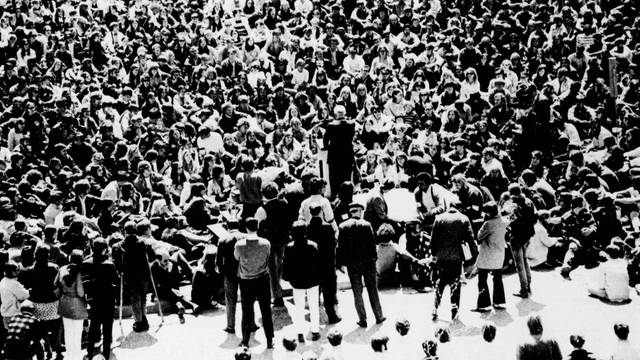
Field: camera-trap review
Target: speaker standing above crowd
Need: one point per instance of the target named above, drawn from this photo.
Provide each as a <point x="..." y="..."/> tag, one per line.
<point x="143" y="142"/>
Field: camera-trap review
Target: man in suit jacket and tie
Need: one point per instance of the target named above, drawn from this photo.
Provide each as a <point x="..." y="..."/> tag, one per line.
<point x="357" y="252"/>
<point x="450" y="230"/>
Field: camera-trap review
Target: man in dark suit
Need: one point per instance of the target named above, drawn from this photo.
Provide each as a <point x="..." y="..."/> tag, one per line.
<point x="357" y="252"/>
<point x="231" y="66"/>
<point x="450" y="230"/>
<point x="85" y="203"/>
<point x="324" y="235"/>
<point x="338" y="141"/>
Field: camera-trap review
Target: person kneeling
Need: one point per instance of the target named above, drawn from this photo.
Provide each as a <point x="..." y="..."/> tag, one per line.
<point x="612" y="281"/>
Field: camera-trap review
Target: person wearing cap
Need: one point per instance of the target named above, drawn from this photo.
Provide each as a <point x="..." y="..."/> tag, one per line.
<point x="273" y="226"/>
<point x="451" y="230"/>
<point x="357" y="253"/>
<point x="23" y="335"/>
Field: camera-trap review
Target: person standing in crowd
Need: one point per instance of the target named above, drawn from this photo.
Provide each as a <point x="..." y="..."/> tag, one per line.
<point x="338" y="141"/>
<point x="357" y="253"/>
<point x="131" y="256"/>
<point x="12" y="294"/>
<point x="302" y="271"/>
<point x="323" y="235"/>
<point x="273" y="226"/>
<point x="101" y="282"/>
<point x="450" y="231"/>
<point x="40" y="279"/>
<point x="491" y="250"/>
<point x="538" y="348"/>
<point x="73" y="306"/>
<point x="249" y="186"/>
<point x="252" y="253"/>
<point x="519" y="232"/>
<point x="227" y="264"/>
<point x="317" y="189"/>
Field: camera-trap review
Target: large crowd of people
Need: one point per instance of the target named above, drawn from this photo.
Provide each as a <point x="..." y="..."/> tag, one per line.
<point x="234" y="144"/>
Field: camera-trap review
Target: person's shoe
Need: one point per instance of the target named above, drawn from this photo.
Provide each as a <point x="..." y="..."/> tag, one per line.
<point x="381" y="320"/>
<point x="499" y="306"/>
<point x="140" y="327"/>
<point x="362" y="324"/>
<point x="334" y="319"/>
<point x="521" y="294"/>
<point x="566" y="273"/>
<point x="482" y="310"/>
<point x="279" y="302"/>
<point x="269" y="343"/>
<point x="230" y="330"/>
<point x="315" y="336"/>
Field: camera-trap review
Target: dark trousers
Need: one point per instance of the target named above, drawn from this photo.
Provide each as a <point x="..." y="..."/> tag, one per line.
<point x="275" y="270"/>
<point x="138" y="298"/>
<point x="356" y="276"/>
<point x="100" y="323"/>
<point x="51" y="331"/>
<point x="522" y="266"/>
<point x="231" y="298"/>
<point x="484" y="297"/>
<point x="448" y="274"/>
<point x="251" y="290"/>
<point x="329" y="288"/>
<point x="248" y="210"/>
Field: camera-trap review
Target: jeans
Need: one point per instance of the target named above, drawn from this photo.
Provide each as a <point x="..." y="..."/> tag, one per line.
<point x="73" y="338"/>
<point x="329" y="288"/>
<point x="100" y="321"/>
<point x="448" y="273"/>
<point x="275" y="270"/>
<point x="484" y="298"/>
<point x="252" y="290"/>
<point x="522" y="266"/>
<point x="231" y="298"/>
<point x="356" y="276"/>
<point x="313" y="298"/>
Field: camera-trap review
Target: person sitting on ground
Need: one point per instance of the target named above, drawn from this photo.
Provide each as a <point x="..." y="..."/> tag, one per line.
<point x="623" y="350"/>
<point x="578" y="353"/>
<point x="403" y="326"/>
<point x="542" y="249"/>
<point x="388" y="254"/>
<point x="208" y="285"/>
<point x="379" y="343"/>
<point x="612" y="279"/>
<point x="430" y="348"/>
<point x="167" y="281"/>
<point x="334" y="352"/>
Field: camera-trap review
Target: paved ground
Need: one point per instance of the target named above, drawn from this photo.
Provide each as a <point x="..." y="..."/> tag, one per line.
<point x="563" y="305"/>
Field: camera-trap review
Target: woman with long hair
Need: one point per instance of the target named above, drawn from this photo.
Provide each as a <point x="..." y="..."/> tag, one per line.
<point x="207" y="286"/>
<point x="72" y="307"/>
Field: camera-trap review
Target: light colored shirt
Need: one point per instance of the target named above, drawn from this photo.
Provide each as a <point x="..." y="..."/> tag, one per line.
<point x="12" y="293"/>
<point x="253" y="257"/>
<point x="539" y="245"/>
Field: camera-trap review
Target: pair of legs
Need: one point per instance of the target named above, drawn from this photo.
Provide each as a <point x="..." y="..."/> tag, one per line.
<point x="73" y="338"/>
<point x="275" y="272"/>
<point x="357" y="274"/>
<point x="256" y="290"/>
<point x="138" y="298"/>
<point x="312" y="297"/>
<point x="329" y="288"/>
<point x="522" y="267"/>
<point x="231" y="298"/>
<point x="100" y="322"/>
<point x="484" y="297"/>
<point x="448" y="274"/>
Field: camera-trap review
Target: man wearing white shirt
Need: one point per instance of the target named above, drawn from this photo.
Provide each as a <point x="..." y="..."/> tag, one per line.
<point x="209" y="141"/>
<point x="354" y="63"/>
<point x="612" y="281"/>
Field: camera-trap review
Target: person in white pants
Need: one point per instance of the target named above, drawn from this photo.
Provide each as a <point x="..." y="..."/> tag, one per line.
<point x="301" y="269"/>
<point x="72" y="307"/>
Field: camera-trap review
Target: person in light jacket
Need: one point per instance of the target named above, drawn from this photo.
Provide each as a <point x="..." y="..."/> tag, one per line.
<point x="492" y="244"/>
<point x="72" y="306"/>
<point x="12" y="294"/>
<point x="302" y="271"/>
<point x="612" y="282"/>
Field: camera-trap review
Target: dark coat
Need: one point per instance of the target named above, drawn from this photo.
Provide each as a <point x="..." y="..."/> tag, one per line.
<point x="301" y="266"/>
<point x="356" y="244"/>
<point x="450" y="230"/>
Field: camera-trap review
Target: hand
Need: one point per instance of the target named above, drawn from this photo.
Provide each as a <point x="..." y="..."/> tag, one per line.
<point x="586" y="231"/>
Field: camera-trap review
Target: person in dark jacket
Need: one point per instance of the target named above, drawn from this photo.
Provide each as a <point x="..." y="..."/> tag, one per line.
<point x="538" y="348"/>
<point x="167" y="279"/>
<point x="302" y="271"/>
<point x="357" y="252"/>
<point x="450" y="230"/>
<point x="338" y="141"/>
<point x="470" y="196"/>
<point x="520" y="231"/>
<point x="132" y="259"/>
<point x="101" y="282"/>
<point x="324" y="236"/>
<point x="207" y="285"/>
<point x="376" y="211"/>
<point x="273" y="226"/>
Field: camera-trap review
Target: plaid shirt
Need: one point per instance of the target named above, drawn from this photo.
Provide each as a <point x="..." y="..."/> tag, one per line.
<point x="21" y="334"/>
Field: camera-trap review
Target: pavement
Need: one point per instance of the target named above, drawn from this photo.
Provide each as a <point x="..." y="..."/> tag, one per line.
<point x="564" y="306"/>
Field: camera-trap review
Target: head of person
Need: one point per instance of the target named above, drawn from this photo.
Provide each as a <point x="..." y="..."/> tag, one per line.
<point x="621" y="330"/>
<point x="387" y="186"/>
<point x="458" y="182"/>
<point x="379" y="342"/>
<point x="242" y="353"/>
<point x="488" y="332"/>
<point x="430" y="348"/>
<point x="403" y="326"/>
<point x="251" y="224"/>
<point x="317" y="186"/>
<point x="289" y="343"/>
<point x="334" y="337"/>
<point x="577" y="341"/>
<point x="490" y="209"/>
<point x="356" y="210"/>
<point x="299" y="232"/>
<point x="309" y="355"/>
<point x="534" y="323"/>
<point x="270" y="190"/>
<point x="11" y="270"/>
<point x="385" y="233"/>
